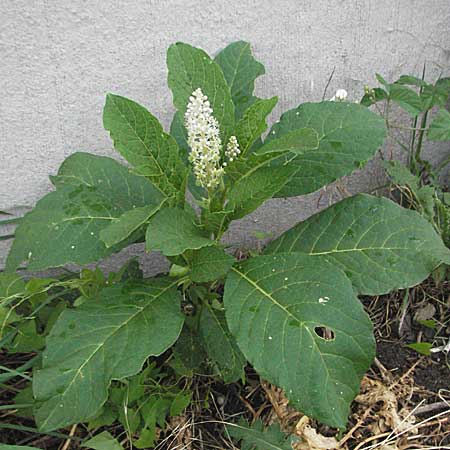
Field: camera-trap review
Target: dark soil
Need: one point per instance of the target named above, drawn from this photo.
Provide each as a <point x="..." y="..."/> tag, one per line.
<point x="432" y="373"/>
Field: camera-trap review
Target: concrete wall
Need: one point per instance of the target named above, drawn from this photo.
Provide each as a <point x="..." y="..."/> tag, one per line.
<point x="59" y="58"/>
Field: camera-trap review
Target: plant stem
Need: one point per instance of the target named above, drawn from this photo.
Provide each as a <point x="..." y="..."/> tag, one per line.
<point x="421" y="134"/>
<point x="411" y="161"/>
<point x="15" y="373"/>
<point x="22" y="406"/>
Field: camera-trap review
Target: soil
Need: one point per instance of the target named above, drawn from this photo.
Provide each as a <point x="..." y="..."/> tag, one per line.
<point x="431" y="373"/>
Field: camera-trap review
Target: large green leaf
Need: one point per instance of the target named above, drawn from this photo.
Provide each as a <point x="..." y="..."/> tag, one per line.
<point x="252" y="182"/>
<point x="102" y="173"/>
<point x="378" y="244"/>
<point x="255" y="187"/>
<point x="220" y="346"/>
<point x="191" y="68"/>
<point x="253" y="123"/>
<point x="140" y="139"/>
<point x="240" y="69"/>
<point x="276" y="306"/>
<point x="209" y="264"/>
<point x="104" y="339"/>
<point x="349" y="135"/>
<point x="64" y="227"/>
<point x="297" y="142"/>
<point x="172" y="231"/>
<point x="189" y="353"/>
<point x="122" y="227"/>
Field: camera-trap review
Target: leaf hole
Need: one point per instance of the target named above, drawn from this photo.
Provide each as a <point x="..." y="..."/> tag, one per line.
<point x="324" y="333"/>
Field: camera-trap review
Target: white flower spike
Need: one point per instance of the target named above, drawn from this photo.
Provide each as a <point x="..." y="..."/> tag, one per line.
<point x="204" y="140"/>
<point x="340" y="96"/>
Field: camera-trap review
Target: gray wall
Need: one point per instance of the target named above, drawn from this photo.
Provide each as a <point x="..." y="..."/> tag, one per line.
<point x="59" y="58"/>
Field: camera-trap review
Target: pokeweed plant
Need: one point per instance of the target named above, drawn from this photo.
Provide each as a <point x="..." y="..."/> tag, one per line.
<point x="292" y="312"/>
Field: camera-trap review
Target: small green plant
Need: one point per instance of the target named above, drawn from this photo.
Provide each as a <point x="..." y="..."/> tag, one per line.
<point x="417" y="178"/>
<point x="417" y="182"/>
<point x="292" y="312"/>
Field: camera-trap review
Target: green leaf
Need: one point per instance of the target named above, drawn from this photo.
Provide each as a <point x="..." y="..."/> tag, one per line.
<point x="103" y="441"/>
<point x="275" y="308"/>
<point x="25" y="397"/>
<point x="382" y="81"/>
<point x="298" y="142"/>
<point x="106" y="338"/>
<point x="255" y="437"/>
<point x="122" y="227"/>
<point x="398" y="93"/>
<point x="376" y="95"/>
<point x="244" y="166"/>
<point x="27" y="339"/>
<point x="253" y="123"/>
<point x="209" y="264"/>
<point x="191" y="68"/>
<point x="172" y="231"/>
<point x="140" y="139"/>
<point x="154" y="412"/>
<point x="11" y="284"/>
<point x="179" y="133"/>
<point x="7" y="317"/>
<point x="378" y="244"/>
<point x="436" y="95"/>
<point x="421" y="347"/>
<point x="240" y="69"/>
<point x="406" y="98"/>
<point x="180" y="403"/>
<point x="106" y="417"/>
<point x="129" y="418"/>
<point x="429" y="323"/>
<point x="349" y="135"/>
<point x="189" y="350"/>
<point x="440" y="127"/>
<point x="220" y="346"/>
<point x="64" y="227"/>
<point x="411" y="80"/>
<point x="147" y="438"/>
<point x="255" y="187"/>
